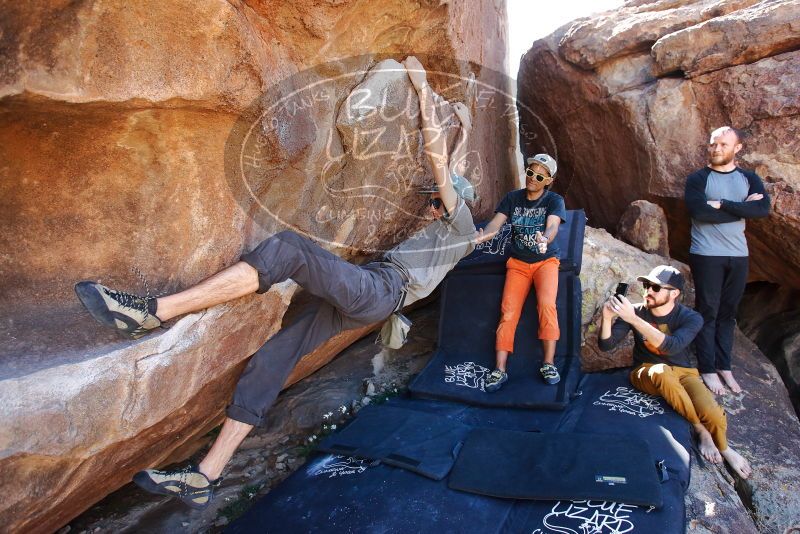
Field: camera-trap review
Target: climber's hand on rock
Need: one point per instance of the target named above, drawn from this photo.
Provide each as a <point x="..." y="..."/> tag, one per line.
<point x="416" y="72"/>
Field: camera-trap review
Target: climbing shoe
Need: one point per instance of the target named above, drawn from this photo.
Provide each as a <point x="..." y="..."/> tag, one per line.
<point x="495" y="379"/>
<point x="187" y="484"/>
<point x="129" y="314"/>
<point x="550" y="373"/>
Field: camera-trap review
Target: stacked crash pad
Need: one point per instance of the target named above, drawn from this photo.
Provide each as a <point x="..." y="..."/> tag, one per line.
<point x="589" y="455"/>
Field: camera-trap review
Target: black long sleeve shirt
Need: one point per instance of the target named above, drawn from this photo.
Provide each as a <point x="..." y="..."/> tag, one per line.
<point x="696" y="201"/>
<point x="680" y="327"/>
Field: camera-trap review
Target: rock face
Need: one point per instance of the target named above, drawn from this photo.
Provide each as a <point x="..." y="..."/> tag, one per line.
<point x="644" y="225"/>
<point x="769" y="315"/>
<point x="147" y="146"/>
<point x="762" y="426"/>
<point x="647" y="84"/>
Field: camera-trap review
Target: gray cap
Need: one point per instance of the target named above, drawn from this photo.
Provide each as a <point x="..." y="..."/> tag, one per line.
<point x="666" y="276"/>
<point x="546" y="160"/>
<point x="462" y="186"/>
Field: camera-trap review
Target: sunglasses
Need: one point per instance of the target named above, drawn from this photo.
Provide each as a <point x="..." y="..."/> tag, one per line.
<point x="656" y="287"/>
<point x="539" y="177"/>
<point x="436" y="203"/>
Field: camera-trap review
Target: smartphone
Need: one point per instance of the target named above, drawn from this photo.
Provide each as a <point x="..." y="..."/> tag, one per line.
<point x="622" y="289"/>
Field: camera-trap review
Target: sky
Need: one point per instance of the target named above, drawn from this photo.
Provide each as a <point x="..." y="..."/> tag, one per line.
<point x="529" y="20"/>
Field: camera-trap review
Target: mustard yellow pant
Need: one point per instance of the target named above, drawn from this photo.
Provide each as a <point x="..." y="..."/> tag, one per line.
<point x="683" y="389"/>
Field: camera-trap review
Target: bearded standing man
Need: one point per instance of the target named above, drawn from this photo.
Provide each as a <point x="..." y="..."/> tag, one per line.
<point x="719" y="198"/>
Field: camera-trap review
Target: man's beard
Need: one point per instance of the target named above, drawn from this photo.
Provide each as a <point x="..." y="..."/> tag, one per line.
<point x="723" y="159"/>
<point x="651" y="303"/>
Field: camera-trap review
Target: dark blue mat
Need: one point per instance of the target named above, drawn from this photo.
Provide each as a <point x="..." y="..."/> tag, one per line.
<point x="554" y="466"/>
<point x="332" y="494"/>
<point x="478" y="416"/>
<point x="599" y="517"/>
<point x="609" y="404"/>
<point x="423" y="443"/>
<point x="470" y="313"/>
<point x="490" y="257"/>
<point x="347" y="495"/>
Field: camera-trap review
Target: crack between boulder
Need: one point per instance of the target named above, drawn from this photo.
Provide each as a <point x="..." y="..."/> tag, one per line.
<point x="26" y="97"/>
<point x="745" y="493"/>
<point x="743" y="490"/>
<point x="789" y="50"/>
<point x="637" y="86"/>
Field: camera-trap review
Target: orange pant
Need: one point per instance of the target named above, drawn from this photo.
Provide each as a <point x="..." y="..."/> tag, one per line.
<point x="683" y="389"/>
<point x="519" y="277"/>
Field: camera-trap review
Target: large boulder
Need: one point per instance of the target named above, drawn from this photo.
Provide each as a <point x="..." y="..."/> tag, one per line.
<point x="644" y="225"/>
<point x="647" y="83"/>
<point x="147" y="146"/>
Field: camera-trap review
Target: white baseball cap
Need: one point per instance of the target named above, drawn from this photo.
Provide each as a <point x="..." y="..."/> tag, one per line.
<point x="546" y="160"/>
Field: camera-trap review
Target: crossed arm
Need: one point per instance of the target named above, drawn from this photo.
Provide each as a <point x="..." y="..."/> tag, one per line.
<point x="756" y="205"/>
<point x="698" y="205"/>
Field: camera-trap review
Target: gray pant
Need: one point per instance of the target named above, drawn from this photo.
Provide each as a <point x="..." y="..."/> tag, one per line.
<point x="346" y="296"/>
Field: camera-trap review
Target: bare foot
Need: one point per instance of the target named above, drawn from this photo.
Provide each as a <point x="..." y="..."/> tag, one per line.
<point x="712" y="382"/>
<point x="708" y="450"/>
<point x="462" y="113"/>
<point x="731" y="382"/>
<point x="737" y="462"/>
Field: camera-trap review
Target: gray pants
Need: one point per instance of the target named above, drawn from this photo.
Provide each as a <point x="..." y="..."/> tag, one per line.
<point x="346" y="296"/>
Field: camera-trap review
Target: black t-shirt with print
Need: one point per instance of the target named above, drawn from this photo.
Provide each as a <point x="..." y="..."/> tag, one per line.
<point x="528" y="217"/>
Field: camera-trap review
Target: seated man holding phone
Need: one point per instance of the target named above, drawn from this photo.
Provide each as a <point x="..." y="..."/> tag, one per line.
<point x="662" y="331"/>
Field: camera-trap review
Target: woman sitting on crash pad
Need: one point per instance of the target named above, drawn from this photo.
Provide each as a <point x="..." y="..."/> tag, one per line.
<point x="535" y="214"/>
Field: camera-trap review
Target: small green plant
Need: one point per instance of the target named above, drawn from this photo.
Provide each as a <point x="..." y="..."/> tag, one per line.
<point x="233" y="510"/>
<point x="386" y="394"/>
<point x="330" y="422"/>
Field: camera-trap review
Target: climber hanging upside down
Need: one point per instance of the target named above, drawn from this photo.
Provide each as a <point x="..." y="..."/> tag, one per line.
<point x="347" y="296"/>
